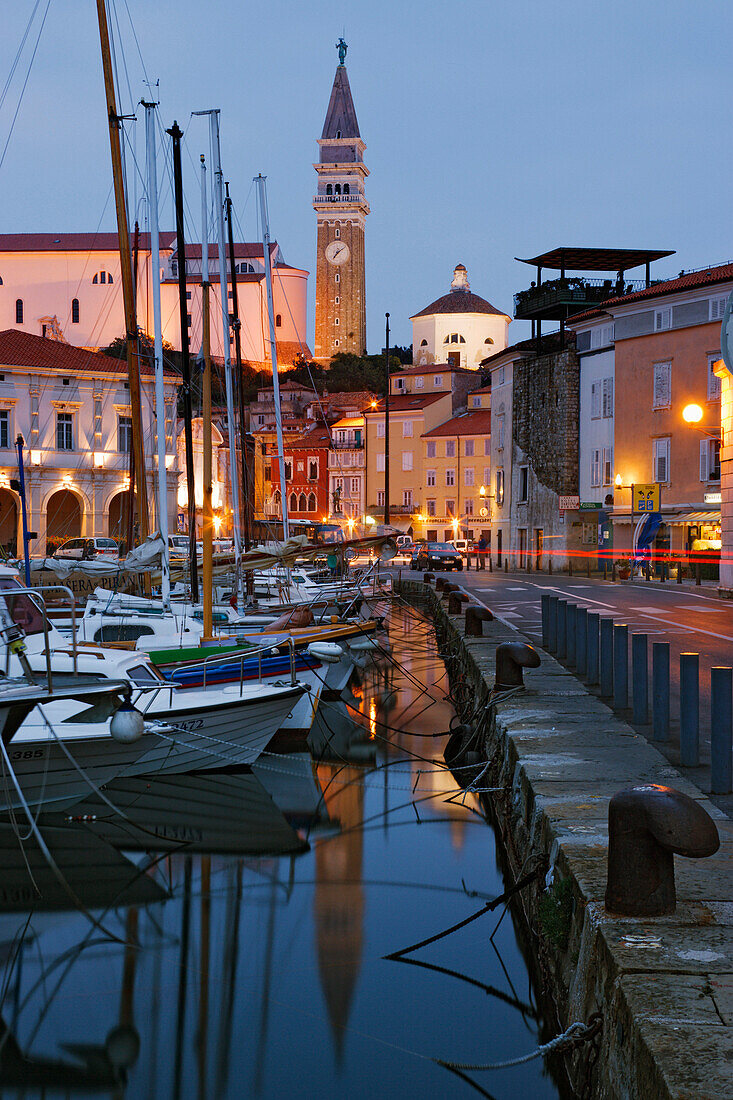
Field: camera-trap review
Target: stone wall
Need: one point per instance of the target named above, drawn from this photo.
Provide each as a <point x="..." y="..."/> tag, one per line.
<point x="546" y="416"/>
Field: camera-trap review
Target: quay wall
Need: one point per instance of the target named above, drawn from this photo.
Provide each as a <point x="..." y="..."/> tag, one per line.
<point x="664" y="986"/>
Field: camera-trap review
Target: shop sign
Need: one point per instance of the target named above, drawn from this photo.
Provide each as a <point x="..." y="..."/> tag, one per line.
<point x="569" y="503"/>
<point x="590" y="505"/>
<point x="713" y="498"/>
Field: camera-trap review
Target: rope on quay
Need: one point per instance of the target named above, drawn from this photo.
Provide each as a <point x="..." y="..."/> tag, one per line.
<point x="577" y="1033"/>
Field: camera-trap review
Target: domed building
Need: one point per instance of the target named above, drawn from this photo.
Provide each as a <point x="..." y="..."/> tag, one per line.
<point x="460" y="329"/>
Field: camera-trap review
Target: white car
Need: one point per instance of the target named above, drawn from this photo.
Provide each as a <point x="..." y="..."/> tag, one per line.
<point x="88" y="549"/>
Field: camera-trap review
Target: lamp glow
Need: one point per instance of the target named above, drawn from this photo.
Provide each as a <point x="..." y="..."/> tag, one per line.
<point x="619" y="481"/>
<point x="692" y="414"/>
<point x="98" y="459"/>
<point x="482" y="491"/>
<point x="36" y="458"/>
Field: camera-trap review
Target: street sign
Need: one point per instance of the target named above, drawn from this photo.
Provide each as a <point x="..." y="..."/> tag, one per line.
<point x="569" y="504"/>
<point x="646" y="498"/>
<point x="590" y="505"/>
<point x="483" y="511"/>
<point x="713" y="498"/>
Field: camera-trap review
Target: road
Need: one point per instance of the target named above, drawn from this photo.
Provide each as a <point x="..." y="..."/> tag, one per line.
<point x="692" y="619"/>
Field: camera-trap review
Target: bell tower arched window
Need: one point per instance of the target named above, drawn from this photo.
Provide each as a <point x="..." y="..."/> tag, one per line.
<point x="329" y="189"/>
<point x="278" y="320"/>
<point x="346" y="189"/>
<point x="338" y="188"/>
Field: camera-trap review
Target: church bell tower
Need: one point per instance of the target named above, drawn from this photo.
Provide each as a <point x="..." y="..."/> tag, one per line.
<point x="341" y="209"/>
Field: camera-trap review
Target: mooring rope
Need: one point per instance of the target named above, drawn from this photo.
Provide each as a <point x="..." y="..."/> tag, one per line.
<point x="578" y="1032"/>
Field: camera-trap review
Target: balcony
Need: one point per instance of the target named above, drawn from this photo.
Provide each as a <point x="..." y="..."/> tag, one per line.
<point x="352" y="198"/>
<point x="352" y="445"/>
<point x="558" y="299"/>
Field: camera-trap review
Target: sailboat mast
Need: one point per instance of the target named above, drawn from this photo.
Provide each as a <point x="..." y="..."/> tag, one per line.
<point x="158" y="338"/>
<point x="246" y="482"/>
<point x="128" y="291"/>
<point x="260" y="181"/>
<point x="206" y="413"/>
<point x="176" y="134"/>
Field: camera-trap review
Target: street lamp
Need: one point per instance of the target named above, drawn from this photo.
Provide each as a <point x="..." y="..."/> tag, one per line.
<point x="693" y="414"/>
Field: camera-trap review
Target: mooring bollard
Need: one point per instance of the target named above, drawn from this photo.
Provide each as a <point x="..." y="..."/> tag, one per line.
<point x="570" y="620"/>
<point x="721" y="730"/>
<point x="591" y="649"/>
<point x="552" y="625"/>
<point x="640" y="678"/>
<point x="456" y="601"/>
<point x="562" y="629"/>
<point x="689" y="709"/>
<point x="545" y="619"/>
<point x="581" y="640"/>
<point x="511" y="658"/>
<point x="440" y="584"/>
<point x="427" y="578"/>
<point x="646" y="826"/>
<point x="606" y="658"/>
<point x="475" y="618"/>
<point x="660" y="691"/>
<point x="620" y="666"/>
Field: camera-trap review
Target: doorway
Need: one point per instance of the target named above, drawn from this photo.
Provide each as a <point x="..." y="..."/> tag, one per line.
<point x="539" y="544"/>
<point x="522" y="547"/>
<point x="499" y="534"/>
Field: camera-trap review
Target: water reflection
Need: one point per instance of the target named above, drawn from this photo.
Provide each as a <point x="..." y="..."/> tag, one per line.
<point x="224" y="935"/>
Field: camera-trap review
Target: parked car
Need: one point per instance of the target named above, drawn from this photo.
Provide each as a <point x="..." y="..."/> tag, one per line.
<point x="462" y="545"/>
<point x="417" y="546"/>
<point x="438" y="555"/>
<point x="404" y="543"/>
<point x="178" y="549"/>
<point x="88" y="549"/>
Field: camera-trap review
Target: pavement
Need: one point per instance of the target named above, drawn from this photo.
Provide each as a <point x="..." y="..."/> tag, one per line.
<point x="691" y="618"/>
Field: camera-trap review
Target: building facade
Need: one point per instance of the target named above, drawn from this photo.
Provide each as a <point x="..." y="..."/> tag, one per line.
<point x="347" y="469"/>
<point x="457" y="478"/>
<point x="460" y="329"/>
<point x="341" y="210"/>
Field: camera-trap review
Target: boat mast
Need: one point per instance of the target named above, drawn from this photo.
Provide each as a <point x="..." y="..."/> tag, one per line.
<point x="128" y="292"/>
<point x="206" y="413"/>
<point x="176" y="134"/>
<point x="247" y="505"/>
<point x="158" y="337"/>
<point x="260" y="181"/>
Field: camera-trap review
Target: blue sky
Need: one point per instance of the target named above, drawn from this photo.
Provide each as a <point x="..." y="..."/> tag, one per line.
<point x="493" y="130"/>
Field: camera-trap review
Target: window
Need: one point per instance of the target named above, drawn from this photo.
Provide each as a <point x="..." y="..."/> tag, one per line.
<point x="500" y="421"/>
<point x="64" y="432"/>
<point x="713" y="380"/>
<point x="338" y="483"/>
<point x="438" y="380"/>
<point x="595" y="401"/>
<point x="338" y="231"/>
<point x="430" y="478"/>
<point x="329" y="189"/>
<point x="188" y="320"/>
<point x="288" y="470"/>
<point x="380" y="498"/>
<point x="302" y="503"/>
<point x="337" y="300"/>
<point x="346" y="189"/>
<point x="608" y="465"/>
<point x="476" y="402"/>
<point x="430" y="507"/>
<point x="293" y="506"/>
<point x="19" y="311"/>
<point x="709" y="459"/>
<point x="595" y="466"/>
<point x="662" y="396"/>
<point x="105" y="276"/>
<point x="500" y="376"/>
<point x="450" y="507"/>
<point x="468" y="507"/>
<point x="380" y="429"/>
<point x="432" y="448"/>
<point x="407" y="460"/>
<point x="336" y="343"/>
<point x="523" y="484"/>
<point x="419" y="383"/>
<point x="454" y="338"/>
<point x="717" y="308"/>
<point x="75" y="311"/>
<point x="243" y="269"/>
<point x="406" y="429"/>
<point x="499" y="490"/>
<point x="662" y="319"/>
<point x="601" y="336"/>
<point x="407" y="498"/>
<point x="380" y="463"/>
<point x="469" y="448"/>
<point x="98" y="416"/>
<point x="34" y="416"/>
<point x="487" y="446"/>
<point x="338" y="277"/>
<point x="450" y="448"/>
<point x="313" y="469"/>
<point x="661" y="460"/>
<point x="4" y="427"/>
<point x="468" y="475"/>
<point x="337" y="189"/>
<point x="336" y="321"/>
<point x="124" y="434"/>
<point x="450" y="477"/>
<point x="355" y="486"/>
<point x="607" y="398"/>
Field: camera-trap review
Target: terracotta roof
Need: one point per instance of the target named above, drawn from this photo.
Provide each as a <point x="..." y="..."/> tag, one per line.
<point x="708" y="276"/>
<point x="405" y="402"/>
<point x="460" y="301"/>
<point x="435" y="368"/>
<point x="528" y="348"/>
<point x="349" y="422"/>
<point x="476" y="422"/>
<point x="288" y="351"/>
<point x="294" y="386"/>
<point x="75" y="242"/>
<point x="245" y="250"/>
<point x="317" y="436"/>
<point x="24" y="349"/>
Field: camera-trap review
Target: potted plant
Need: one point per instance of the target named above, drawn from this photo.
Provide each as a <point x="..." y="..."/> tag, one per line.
<point x="623" y="569"/>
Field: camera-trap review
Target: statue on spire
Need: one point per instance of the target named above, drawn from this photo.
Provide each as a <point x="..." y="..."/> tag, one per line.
<point x="342" y="48"/>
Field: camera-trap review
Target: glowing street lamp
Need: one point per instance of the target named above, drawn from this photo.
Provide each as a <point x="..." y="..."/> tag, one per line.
<point x="619" y="481"/>
<point x="692" y="414"/>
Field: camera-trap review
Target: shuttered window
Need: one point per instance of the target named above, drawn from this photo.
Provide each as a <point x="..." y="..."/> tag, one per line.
<point x="595" y="466"/>
<point x="608" y="465"/>
<point x="662" y="394"/>
<point x="660" y="457"/>
<point x="607" y="397"/>
<point x="595" y="400"/>
<point x="713" y="380"/>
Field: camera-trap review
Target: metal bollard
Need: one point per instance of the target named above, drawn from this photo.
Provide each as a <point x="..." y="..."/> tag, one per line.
<point x="646" y="825"/>
<point x="591" y="649"/>
<point x="456" y="600"/>
<point x="606" y="658"/>
<point x="620" y="666"/>
<point x="581" y="640"/>
<point x="640" y="678"/>
<point x="660" y="691"/>
<point x="689" y="710"/>
<point x="698" y="574"/>
<point x="721" y="730"/>
<point x="475" y="618"/>
<point x="511" y="658"/>
<point x="552" y="625"/>
<point x="570" y="619"/>
<point x="562" y="629"/>
<point x="545" y="619"/>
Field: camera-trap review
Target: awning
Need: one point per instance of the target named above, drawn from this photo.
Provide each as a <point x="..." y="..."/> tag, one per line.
<point x="696" y="517"/>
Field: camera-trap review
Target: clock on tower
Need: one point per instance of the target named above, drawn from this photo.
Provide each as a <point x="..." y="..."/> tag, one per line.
<point x="341" y="209"/>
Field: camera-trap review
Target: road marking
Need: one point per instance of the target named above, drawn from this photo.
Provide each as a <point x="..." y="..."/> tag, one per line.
<point x="699" y="610"/>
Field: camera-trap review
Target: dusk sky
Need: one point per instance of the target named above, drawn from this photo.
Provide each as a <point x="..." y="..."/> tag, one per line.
<point x="493" y="130"/>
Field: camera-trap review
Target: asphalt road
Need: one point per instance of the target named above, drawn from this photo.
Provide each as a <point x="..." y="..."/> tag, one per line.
<point x="692" y="619"/>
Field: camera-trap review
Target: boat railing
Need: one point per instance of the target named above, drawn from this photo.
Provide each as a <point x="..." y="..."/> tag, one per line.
<point x="37" y="598"/>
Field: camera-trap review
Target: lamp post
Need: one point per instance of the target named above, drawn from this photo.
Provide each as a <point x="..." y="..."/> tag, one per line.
<point x="386" y="423"/>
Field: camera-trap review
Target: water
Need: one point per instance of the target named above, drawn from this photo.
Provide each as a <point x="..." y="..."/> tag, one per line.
<point x="262" y="974"/>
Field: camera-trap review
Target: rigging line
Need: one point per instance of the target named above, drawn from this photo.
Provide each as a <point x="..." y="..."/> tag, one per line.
<point x="25" y="83"/>
<point x="137" y="43"/>
<point x="19" y="51"/>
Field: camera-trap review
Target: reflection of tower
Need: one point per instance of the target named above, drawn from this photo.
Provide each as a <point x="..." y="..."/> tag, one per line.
<point x="339" y="895"/>
<point x="341" y="209"/>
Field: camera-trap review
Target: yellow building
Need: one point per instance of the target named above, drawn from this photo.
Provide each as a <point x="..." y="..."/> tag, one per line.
<point x="457" y="476"/>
